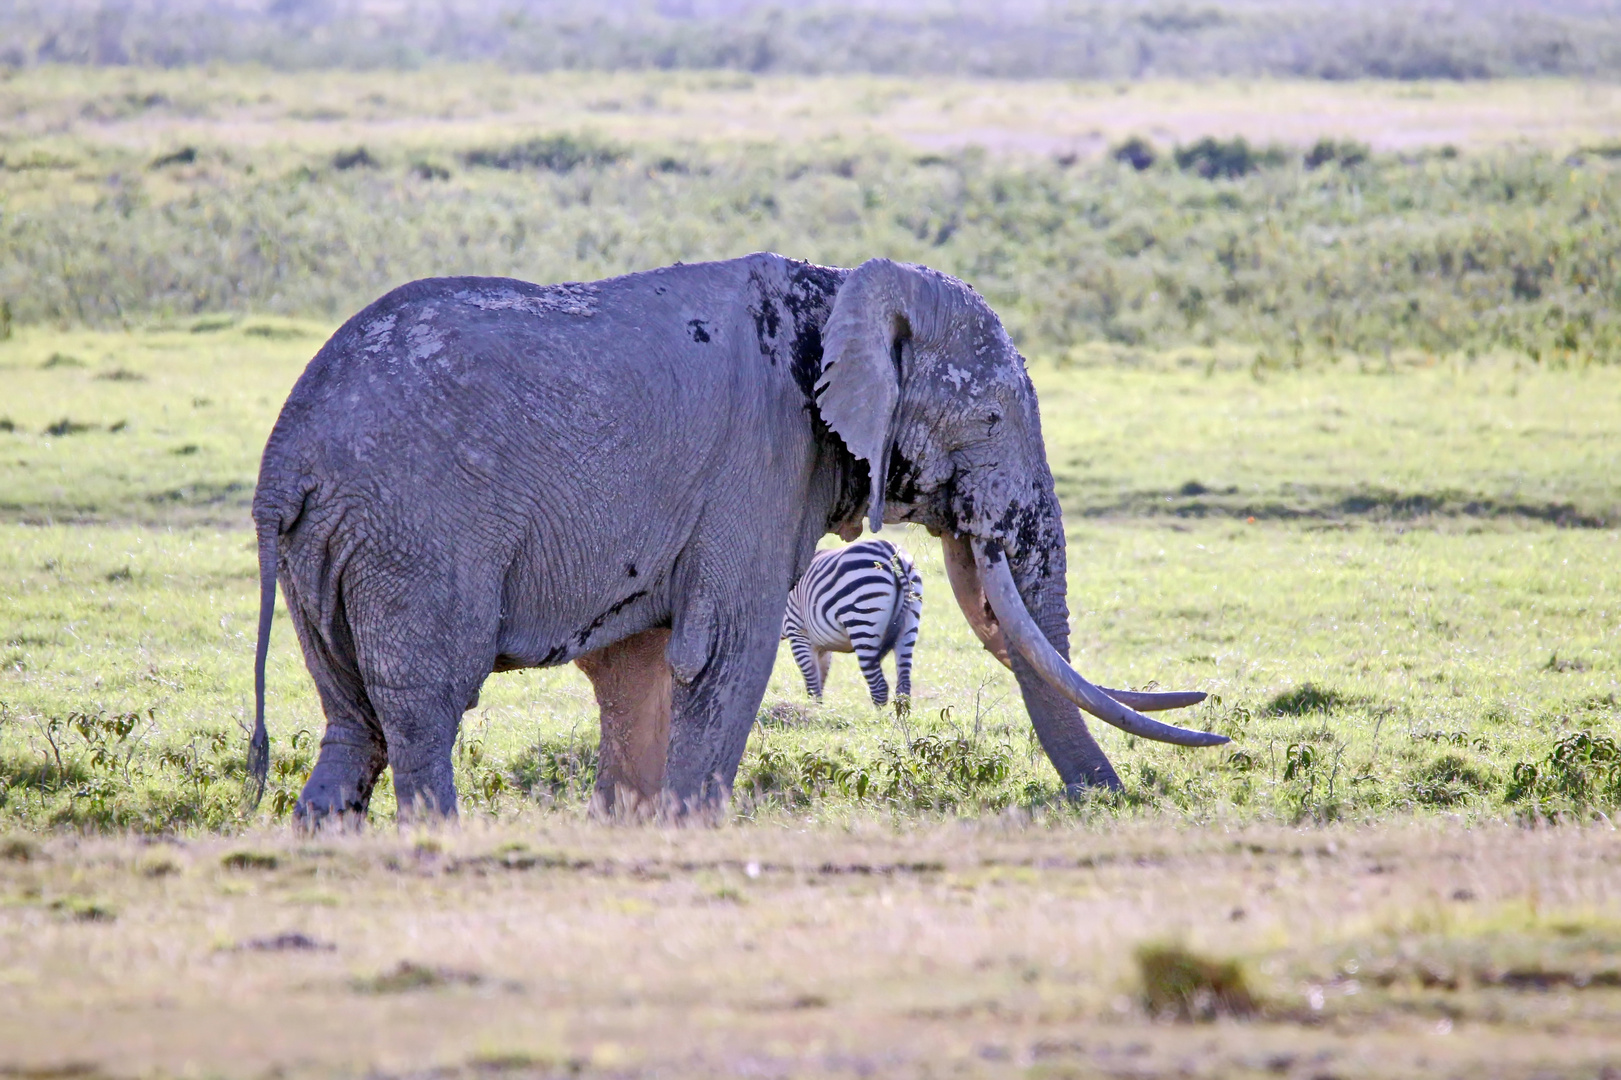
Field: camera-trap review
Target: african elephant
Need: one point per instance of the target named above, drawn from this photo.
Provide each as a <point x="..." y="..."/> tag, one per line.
<point x="480" y="474"/>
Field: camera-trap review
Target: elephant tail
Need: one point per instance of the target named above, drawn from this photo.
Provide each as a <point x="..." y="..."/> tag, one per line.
<point x="259" y="744"/>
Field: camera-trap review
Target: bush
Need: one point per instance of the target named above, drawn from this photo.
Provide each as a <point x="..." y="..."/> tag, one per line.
<point x="558" y="769"/>
<point x="1450" y="780"/>
<point x="557" y="153"/>
<point x="1216" y="159"/>
<point x="1328" y="152"/>
<point x="1136" y="152"/>
<point x="1307" y="699"/>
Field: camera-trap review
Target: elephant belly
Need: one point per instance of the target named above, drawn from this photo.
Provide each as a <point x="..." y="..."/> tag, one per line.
<point x="547" y="619"/>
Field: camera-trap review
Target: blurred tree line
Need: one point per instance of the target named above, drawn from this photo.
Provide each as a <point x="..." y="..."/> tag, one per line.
<point x="1107" y="39"/>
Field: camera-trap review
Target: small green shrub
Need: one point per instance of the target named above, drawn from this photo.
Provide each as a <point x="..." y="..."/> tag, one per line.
<point x="558" y="769"/>
<point x="1306" y="699"/>
<point x="1450" y="780"/>
<point x="1137" y="152"/>
<point x="358" y="158"/>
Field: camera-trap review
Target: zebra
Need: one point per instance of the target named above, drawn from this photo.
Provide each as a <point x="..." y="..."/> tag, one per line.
<point x="865" y="598"/>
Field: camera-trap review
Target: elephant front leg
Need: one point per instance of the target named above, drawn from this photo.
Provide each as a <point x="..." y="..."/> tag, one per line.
<point x="633" y="686"/>
<point x="721" y="674"/>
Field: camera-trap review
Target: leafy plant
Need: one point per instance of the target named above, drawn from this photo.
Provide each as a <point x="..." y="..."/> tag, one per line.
<point x="1581" y="771"/>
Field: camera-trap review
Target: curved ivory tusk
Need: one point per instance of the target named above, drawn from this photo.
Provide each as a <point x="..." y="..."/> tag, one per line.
<point x="1158" y="701"/>
<point x="1021" y="632"/>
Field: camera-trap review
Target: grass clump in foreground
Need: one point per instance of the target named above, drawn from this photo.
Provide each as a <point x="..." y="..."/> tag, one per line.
<point x="1180" y="984"/>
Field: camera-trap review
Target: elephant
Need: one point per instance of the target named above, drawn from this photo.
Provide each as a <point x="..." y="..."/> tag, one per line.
<point x="480" y="474"/>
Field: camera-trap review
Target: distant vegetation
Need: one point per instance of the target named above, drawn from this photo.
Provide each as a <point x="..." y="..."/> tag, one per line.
<point x="1116" y="40"/>
<point x="1305" y="256"/>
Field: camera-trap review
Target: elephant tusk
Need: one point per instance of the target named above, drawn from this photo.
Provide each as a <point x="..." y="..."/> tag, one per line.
<point x="1158" y="701"/>
<point x="1023" y="634"/>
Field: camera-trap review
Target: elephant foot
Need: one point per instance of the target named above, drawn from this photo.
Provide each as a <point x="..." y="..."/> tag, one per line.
<point x="426" y="795"/>
<point x="338" y="792"/>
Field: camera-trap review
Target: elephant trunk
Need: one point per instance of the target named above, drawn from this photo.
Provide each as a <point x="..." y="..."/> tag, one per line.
<point x="1058" y="724"/>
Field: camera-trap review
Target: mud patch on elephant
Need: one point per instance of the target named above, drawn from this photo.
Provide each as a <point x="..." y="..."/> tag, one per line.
<point x="570" y="298"/>
<point x="809" y="300"/>
<point x="596" y="624"/>
<point x="424" y="341"/>
<point x="376" y="334"/>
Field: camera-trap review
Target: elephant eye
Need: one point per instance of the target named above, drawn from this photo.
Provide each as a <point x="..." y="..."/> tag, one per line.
<point x="992" y="421"/>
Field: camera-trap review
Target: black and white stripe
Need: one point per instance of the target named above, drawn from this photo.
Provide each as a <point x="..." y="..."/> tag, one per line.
<point x="865" y="598"/>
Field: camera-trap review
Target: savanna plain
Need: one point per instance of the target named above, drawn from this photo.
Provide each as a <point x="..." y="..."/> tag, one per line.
<point x="1335" y="417"/>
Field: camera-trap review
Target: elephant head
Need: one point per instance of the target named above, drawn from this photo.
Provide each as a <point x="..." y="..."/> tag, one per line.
<point x="924" y="386"/>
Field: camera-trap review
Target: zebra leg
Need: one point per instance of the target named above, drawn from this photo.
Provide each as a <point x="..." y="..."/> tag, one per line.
<point x="824" y="660"/>
<point x="810" y="664"/>
<point x="871" y="668"/>
<point x="904" y="645"/>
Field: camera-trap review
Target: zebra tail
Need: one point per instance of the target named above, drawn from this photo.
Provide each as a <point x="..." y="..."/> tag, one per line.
<point x="892" y="632"/>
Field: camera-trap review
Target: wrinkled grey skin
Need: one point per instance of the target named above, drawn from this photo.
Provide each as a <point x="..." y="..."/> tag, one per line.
<point x="479" y="474"/>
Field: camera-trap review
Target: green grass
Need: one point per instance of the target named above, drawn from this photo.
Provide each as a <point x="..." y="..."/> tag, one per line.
<point x="1425" y="604"/>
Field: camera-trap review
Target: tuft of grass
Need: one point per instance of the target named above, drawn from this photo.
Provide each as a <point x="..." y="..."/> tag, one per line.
<point x="1307" y="699"/>
<point x="85" y="909"/>
<point x="1225" y="159"/>
<point x="357" y="158"/>
<point x="19" y="849"/>
<point x="250" y="860"/>
<point x="1180" y="984"/>
<point x="408" y="976"/>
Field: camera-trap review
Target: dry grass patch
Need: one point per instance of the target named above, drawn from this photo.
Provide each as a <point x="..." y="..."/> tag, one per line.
<point x="551" y="945"/>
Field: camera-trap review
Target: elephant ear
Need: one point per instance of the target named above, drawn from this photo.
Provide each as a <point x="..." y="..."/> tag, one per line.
<point x="860" y="389"/>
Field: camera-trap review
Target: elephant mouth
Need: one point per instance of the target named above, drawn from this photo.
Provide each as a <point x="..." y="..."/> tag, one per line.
<point x="983" y="585"/>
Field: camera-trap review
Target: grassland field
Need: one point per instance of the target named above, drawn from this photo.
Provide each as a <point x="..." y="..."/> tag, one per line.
<point x="1393" y="558"/>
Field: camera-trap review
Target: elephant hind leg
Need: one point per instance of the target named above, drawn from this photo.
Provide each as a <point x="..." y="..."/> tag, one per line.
<point x="421" y="724"/>
<point x="633" y="685"/>
<point x="353" y="752"/>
